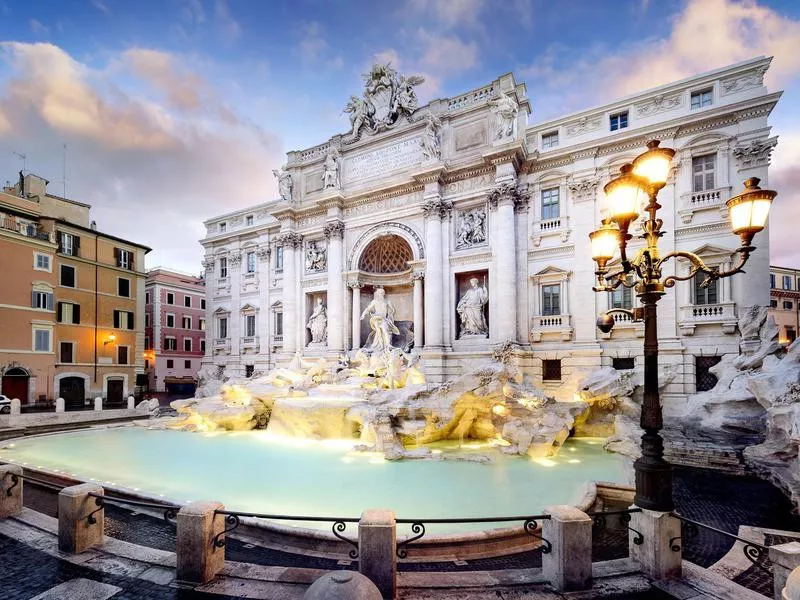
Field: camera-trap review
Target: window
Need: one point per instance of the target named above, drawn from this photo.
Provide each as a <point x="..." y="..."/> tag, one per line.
<point x="705" y="380"/>
<point x="187" y="364"/>
<point x="170" y="298"/>
<point x="147" y="319"/>
<point x="187" y="344"/>
<point x="69" y="313"/>
<point x="549" y="140"/>
<point x="222" y="329"/>
<point x="787" y="305"/>
<point x="248" y="220"/>
<point x="248" y="370"/>
<point x="798" y="283"/>
<point x="550" y="208"/>
<point x="772" y="281"/>
<point x="123" y="319"/>
<point x="279" y="258"/>
<point x="66" y="353"/>
<point x="551" y="370"/>
<point x="704" y="295"/>
<point x="147" y="298"/>
<point x="701" y="98"/>
<point x="203" y="303"/>
<point x="146" y="364"/>
<point x="170" y="363"/>
<point x="223" y="267"/>
<point x="170" y="343"/>
<point x="279" y="323"/>
<point x="249" y="325"/>
<point x="787" y="282"/>
<point x="124" y="258"/>
<point x="201" y="325"/>
<point x="124" y="287"/>
<point x="619" y="121"/>
<point x="170" y="320"/>
<point x="790" y="334"/>
<point x="43" y="300"/>
<point x="773" y="304"/>
<point x="187" y="301"/>
<point x="202" y="346"/>
<point x="623" y="364"/>
<point x="622" y="297"/>
<point x="122" y="355"/>
<point x="186" y="322"/>
<point x="551" y="299"/>
<point x="67" y="278"/>
<point x="147" y="343"/>
<point x="703" y="168"/>
<point x="223" y="227"/>
<point x="41" y="262"/>
<point x="41" y="340"/>
<point x="251" y="262"/>
<point x="68" y="243"/>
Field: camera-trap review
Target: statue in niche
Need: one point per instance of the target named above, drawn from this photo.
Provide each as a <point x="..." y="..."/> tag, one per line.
<point x="318" y="323"/>
<point x="472" y="228"/>
<point x="505" y="111"/>
<point x="285" y="184"/>
<point x="316" y="258"/>
<point x="381" y="322"/>
<point x="330" y="174"/>
<point x="430" y="142"/>
<point x="470" y="309"/>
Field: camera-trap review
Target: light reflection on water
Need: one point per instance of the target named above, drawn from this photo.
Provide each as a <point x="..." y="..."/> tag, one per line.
<point x="255" y="471"/>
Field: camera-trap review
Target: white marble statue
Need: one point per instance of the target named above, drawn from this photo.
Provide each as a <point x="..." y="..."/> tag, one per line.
<point x="318" y="323"/>
<point x="316" y="258"/>
<point x="471" y="228"/>
<point x="358" y="111"/>
<point x="330" y="174"/>
<point x="381" y="322"/>
<point x="285" y="184"/>
<point x="470" y="310"/>
<point x="505" y="112"/>
<point x="430" y="141"/>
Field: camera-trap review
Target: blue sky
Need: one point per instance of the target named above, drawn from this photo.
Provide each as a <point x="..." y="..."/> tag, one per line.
<point x="175" y="110"/>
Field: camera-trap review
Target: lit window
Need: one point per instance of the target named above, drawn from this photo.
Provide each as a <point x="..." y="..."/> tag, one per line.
<point x="701" y="98"/>
<point x="550" y="204"/>
<point x="549" y="140"/>
<point x="619" y="121"/>
<point x="703" y="168"/>
<point x="551" y="299"/>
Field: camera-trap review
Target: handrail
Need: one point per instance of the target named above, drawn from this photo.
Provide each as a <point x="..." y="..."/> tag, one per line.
<point x="46" y="484"/>
<point x="599" y="521"/>
<point x="170" y="510"/>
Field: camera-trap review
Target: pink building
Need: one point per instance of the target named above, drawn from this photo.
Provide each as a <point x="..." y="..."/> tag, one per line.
<point x="175" y="330"/>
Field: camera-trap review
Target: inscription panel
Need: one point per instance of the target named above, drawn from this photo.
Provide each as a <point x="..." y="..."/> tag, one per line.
<point x="469" y="136"/>
<point x="313" y="182"/>
<point x="381" y="205"/>
<point x="383" y="160"/>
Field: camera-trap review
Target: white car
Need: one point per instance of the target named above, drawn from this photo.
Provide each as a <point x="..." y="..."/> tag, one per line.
<point x="5" y="404"/>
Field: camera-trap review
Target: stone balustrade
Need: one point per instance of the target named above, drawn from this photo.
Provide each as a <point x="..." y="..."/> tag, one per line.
<point x="723" y="313"/>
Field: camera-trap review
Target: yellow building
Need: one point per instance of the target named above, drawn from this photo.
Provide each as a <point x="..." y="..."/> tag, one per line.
<point x="784" y="295"/>
<point x="87" y="337"/>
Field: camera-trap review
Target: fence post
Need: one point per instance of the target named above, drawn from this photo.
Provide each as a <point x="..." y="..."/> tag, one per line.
<point x="131" y="403"/>
<point x="59" y="405"/>
<point x="198" y="559"/>
<point x="75" y="531"/>
<point x="785" y="558"/>
<point x="98" y="403"/>
<point x="568" y="565"/>
<point x="377" y="547"/>
<point x="655" y="554"/>
<point x="10" y="505"/>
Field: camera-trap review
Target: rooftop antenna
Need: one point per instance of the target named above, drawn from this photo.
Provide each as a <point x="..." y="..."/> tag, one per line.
<point x="64" y="172"/>
<point x="23" y="157"/>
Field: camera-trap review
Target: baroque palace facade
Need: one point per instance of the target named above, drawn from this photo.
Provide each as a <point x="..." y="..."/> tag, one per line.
<point x="475" y="225"/>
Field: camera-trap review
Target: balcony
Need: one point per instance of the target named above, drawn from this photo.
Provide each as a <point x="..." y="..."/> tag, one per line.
<point x="551" y="227"/>
<point x="222" y="345"/>
<point x="723" y="314"/>
<point x="249" y="345"/>
<point x="623" y="322"/>
<point x="551" y="327"/>
<point x="694" y="202"/>
<point x="26" y="228"/>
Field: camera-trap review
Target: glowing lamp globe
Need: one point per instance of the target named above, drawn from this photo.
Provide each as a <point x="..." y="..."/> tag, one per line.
<point x="749" y="210"/>
<point x="604" y="243"/>
<point x="654" y="164"/>
<point x="624" y="195"/>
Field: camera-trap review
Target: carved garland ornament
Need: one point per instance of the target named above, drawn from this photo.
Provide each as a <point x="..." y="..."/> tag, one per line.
<point x="583" y="189"/>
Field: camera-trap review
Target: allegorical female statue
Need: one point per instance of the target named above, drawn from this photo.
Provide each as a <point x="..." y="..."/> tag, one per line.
<point x="381" y="322"/>
<point x="470" y="309"/>
<point x="318" y="323"/>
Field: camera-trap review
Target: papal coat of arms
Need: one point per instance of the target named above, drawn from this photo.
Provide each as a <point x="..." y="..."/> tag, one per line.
<point x="387" y="95"/>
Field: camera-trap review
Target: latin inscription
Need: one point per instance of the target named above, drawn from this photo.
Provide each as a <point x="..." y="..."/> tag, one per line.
<point x="383" y="160"/>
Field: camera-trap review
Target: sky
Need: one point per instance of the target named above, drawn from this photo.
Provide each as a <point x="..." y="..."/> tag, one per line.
<point x="174" y="111"/>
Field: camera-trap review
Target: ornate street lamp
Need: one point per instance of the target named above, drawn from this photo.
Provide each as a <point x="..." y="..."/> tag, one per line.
<point x="625" y="194"/>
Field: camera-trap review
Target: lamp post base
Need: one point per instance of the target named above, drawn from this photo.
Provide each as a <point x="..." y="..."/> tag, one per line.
<point x="653" y="476"/>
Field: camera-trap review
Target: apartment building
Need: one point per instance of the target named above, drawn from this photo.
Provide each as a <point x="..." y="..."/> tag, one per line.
<point x="784" y="294"/>
<point x="175" y="325"/>
<point x="72" y="306"/>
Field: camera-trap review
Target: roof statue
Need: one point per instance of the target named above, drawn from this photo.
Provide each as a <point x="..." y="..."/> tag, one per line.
<point x="386" y="96"/>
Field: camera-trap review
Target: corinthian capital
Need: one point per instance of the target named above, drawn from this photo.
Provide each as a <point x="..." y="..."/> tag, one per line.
<point x="437" y="208"/>
<point x="334" y="229"/>
<point x="516" y="195"/>
<point x="291" y="239"/>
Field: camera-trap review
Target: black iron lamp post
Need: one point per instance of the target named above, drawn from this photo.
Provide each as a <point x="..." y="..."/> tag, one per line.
<point x="637" y="183"/>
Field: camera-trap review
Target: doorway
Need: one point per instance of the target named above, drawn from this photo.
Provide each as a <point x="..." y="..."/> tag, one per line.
<point x="73" y="391"/>
<point x="114" y="391"/>
<point x="16" y="384"/>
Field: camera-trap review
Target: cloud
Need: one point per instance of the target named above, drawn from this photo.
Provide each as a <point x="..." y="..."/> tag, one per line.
<point x="38" y="28"/>
<point x="446" y="54"/>
<point x="228" y="26"/>
<point x="785" y="177"/>
<point x="100" y="5"/>
<point x="314" y="50"/>
<point x="450" y="13"/>
<point x="183" y="89"/>
<point x="152" y="169"/>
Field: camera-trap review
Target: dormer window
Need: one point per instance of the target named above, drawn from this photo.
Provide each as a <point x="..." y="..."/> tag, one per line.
<point x="550" y="140"/>
<point x="618" y="121"/>
<point x="248" y="220"/>
<point x="702" y="98"/>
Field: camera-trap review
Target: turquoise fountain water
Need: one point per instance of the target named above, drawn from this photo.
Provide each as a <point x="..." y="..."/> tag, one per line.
<point x="259" y="472"/>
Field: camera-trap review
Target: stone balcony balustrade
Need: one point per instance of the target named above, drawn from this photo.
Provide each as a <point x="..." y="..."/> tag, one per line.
<point x="694" y="202"/>
<point x="723" y="314"/>
<point x="552" y="326"/>
<point x="222" y="345"/>
<point x="249" y="345"/>
<point x="558" y="226"/>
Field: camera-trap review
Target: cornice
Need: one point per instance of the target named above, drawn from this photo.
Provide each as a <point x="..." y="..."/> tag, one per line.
<point x="551" y="252"/>
<point x="683" y="232"/>
<point x="468" y="259"/>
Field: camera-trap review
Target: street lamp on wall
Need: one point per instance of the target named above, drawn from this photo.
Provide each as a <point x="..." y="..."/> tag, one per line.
<point x="637" y="182"/>
<point x="110" y="340"/>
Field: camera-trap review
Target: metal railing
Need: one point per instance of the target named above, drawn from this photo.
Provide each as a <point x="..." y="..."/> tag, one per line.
<point x="170" y="511"/>
<point x="15" y="478"/>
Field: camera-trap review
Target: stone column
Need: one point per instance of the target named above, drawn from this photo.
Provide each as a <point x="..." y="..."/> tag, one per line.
<point x="356" y="287"/>
<point x="435" y="210"/>
<point x="568" y="566"/>
<point x="233" y="363"/>
<point x="10" y="490"/>
<point x="290" y="241"/>
<point x="263" y="324"/>
<point x="377" y="543"/>
<point x="211" y="331"/>
<point x="334" y="231"/>
<point x="198" y="559"/>
<point x="655" y="554"/>
<point x="76" y="532"/>
<point x="504" y="198"/>
<point x="419" y="325"/>
<point x="785" y="558"/>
